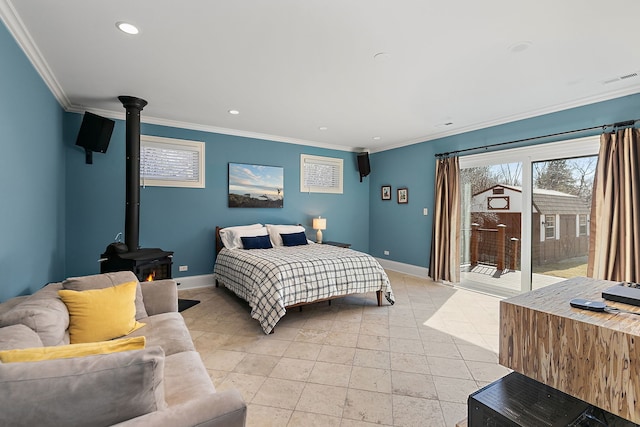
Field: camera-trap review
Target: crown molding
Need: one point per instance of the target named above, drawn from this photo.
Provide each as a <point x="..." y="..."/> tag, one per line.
<point x="477" y="126"/>
<point x="18" y="30"/>
<point x="245" y="134"/>
<point x="16" y="27"/>
<point x="632" y="90"/>
<point x="213" y="129"/>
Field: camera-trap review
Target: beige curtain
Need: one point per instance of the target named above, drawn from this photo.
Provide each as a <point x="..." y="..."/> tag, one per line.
<point x="614" y="243"/>
<point x="445" y="243"/>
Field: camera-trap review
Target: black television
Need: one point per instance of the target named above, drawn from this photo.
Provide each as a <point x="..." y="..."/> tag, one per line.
<point x="94" y="135"/>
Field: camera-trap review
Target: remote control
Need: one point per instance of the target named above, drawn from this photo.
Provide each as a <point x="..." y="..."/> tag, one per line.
<point x="585" y="304"/>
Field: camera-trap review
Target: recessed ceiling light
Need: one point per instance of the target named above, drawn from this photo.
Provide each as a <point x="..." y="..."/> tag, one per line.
<point x="377" y="138"/>
<point x="125" y="27"/>
<point x="234" y="112"/>
<point x="323" y="128"/>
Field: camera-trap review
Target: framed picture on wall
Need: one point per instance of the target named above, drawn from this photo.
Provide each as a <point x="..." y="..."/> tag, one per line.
<point x="385" y="192"/>
<point x="403" y="195"/>
<point x="255" y="186"/>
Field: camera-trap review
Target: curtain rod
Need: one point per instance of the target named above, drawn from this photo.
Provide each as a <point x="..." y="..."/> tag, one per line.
<point x="533" y="138"/>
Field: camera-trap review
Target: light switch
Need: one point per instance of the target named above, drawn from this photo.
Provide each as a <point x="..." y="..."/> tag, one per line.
<point x="425" y="211"/>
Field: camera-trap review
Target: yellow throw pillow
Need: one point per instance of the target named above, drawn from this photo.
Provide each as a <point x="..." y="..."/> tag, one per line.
<point x="101" y="314"/>
<point x="37" y="354"/>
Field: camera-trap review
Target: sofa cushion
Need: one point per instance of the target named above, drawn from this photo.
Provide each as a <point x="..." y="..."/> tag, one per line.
<point x="38" y="354"/>
<point x="88" y="391"/>
<point x="185" y="378"/>
<point x="167" y="330"/>
<point x="10" y="303"/>
<point x="105" y="280"/>
<point x="101" y="314"/>
<point x="160" y="296"/>
<point x="18" y="336"/>
<point x="43" y="312"/>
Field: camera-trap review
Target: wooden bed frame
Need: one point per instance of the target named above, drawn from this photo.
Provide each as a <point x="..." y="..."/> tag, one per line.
<point x="220" y="245"/>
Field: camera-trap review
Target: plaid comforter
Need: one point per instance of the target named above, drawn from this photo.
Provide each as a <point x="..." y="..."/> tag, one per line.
<point x="272" y="279"/>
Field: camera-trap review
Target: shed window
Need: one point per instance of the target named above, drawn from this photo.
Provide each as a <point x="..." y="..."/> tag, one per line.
<point x="582" y="225"/>
<point x="550" y="226"/>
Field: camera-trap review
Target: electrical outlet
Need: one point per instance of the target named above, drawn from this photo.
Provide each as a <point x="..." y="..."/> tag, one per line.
<point x="386" y="252"/>
<point x="183" y="268"/>
<point x="425" y="211"/>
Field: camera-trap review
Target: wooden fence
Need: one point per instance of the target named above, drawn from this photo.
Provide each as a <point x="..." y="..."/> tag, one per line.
<point x="491" y="246"/>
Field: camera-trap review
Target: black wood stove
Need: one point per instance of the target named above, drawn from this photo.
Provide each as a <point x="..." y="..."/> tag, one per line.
<point x="146" y="263"/>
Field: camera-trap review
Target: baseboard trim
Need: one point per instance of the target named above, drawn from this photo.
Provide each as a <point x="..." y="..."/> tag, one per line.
<point x="207" y="280"/>
<point x="194" y="282"/>
<point x="400" y="267"/>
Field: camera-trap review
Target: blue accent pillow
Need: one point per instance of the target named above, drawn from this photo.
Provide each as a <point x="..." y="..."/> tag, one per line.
<point x="257" y="242"/>
<point x="294" y="239"/>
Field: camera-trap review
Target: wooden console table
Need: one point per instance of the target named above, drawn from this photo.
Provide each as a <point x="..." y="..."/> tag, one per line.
<point x="592" y="356"/>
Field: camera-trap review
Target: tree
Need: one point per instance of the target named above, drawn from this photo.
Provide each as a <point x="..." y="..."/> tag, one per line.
<point x="510" y="174"/>
<point x="583" y="170"/>
<point x="480" y="178"/>
<point x="555" y="175"/>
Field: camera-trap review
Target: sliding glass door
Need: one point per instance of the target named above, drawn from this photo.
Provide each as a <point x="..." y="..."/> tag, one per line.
<point x="525" y="215"/>
<point x="561" y="210"/>
<point x="492" y="205"/>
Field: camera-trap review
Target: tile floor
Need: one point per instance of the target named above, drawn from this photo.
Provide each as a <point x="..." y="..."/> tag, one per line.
<point x="353" y="363"/>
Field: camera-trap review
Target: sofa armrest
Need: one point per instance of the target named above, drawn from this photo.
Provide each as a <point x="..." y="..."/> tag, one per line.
<point x="160" y="296"/>
<point x="221" y="409"/>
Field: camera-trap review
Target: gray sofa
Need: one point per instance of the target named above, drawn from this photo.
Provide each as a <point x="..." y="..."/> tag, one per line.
<point x="165" y="384"/>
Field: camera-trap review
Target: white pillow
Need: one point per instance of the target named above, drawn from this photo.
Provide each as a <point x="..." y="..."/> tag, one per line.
<point x="231" y="236"/>
<point x="226" y="233"/>
<point x="276" y="230"/>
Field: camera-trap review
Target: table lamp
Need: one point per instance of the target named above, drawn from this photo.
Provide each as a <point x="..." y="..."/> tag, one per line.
<point x="319" y="224"/>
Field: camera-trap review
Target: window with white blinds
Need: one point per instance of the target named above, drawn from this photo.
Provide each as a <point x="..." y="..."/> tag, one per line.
<point x="320" y="174"/>
<point x="168" y="162"/>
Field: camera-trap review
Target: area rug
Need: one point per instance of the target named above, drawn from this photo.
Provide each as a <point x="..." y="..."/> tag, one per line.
<point x="184" y="304"/>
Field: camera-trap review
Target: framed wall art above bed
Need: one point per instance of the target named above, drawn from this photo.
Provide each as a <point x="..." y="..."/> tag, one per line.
<point x="255" y="186"/>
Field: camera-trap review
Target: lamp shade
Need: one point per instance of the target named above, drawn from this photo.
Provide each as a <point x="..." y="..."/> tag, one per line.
<point x="319" y="223"/>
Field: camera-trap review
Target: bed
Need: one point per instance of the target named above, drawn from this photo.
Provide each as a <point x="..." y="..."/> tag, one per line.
<point x="262" y="266"/>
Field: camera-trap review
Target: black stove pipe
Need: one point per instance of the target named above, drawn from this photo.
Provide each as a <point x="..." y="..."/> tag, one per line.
<point x="133" y="106"/>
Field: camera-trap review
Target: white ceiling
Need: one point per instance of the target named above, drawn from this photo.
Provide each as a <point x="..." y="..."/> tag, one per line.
<point x="293" y="66"/>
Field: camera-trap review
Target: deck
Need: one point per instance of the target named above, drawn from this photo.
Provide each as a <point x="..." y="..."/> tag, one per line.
<point x="488" y="279"/>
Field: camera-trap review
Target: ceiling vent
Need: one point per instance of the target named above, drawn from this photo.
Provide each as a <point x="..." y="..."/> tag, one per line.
<point x="620" y="78"/>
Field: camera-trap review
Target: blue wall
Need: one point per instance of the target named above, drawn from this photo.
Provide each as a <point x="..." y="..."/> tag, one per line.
<point x="403" y="230"/>
<point x="32" y="194"/>
<point x="183" y="220"/>
<point x="58" y="214"/>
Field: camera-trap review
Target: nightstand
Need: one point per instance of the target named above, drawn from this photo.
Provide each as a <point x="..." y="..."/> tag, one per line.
<point x="339" y="244"/>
